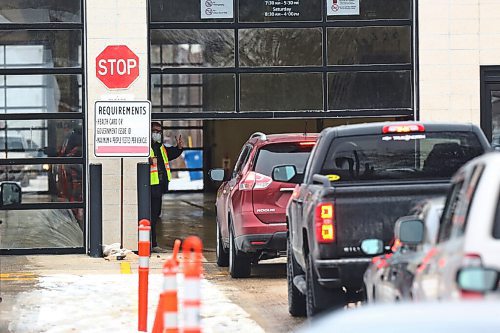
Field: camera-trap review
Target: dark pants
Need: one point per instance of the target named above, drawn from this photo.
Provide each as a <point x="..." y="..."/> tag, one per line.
<point x="156" y="196"/>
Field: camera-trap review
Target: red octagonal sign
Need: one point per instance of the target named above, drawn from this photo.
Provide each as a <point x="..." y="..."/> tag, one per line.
<point x="117" y="66"/>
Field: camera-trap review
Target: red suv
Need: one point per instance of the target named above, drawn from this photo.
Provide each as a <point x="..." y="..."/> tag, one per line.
<point x="251" y="202"/>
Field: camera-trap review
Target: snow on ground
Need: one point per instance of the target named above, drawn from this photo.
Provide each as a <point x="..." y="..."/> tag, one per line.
<point x="108" y="303"/>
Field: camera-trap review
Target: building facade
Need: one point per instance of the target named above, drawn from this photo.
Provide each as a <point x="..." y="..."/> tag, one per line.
<point x="211" y="68"/>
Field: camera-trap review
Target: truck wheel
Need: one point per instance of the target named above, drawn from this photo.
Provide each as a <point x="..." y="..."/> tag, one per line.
<point x="319" y="298"/>
<point x="239" y="265"/>
<point x="296" y="300"/>
<point x="221" y="253"/>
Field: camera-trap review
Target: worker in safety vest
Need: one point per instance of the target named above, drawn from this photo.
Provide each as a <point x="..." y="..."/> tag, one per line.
<point x="159" y="157"/>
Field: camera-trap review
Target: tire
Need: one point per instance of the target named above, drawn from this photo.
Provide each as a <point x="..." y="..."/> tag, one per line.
<point x="221" y="253"/>
<point x="296" y="300"/>
<point x="319" y="298"/>
<point x="239" y="265"/>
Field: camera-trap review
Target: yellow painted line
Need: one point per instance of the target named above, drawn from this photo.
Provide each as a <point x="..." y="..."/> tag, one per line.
<point x="18" y="276"/>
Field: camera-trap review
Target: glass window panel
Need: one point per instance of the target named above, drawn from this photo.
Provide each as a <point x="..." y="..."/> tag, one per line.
<point x="192" y="48"/>
<point x="182" y="123"/>
<point x="193" y="138"/>
<point x="41" y="48"/>
<point x="41" y="228"/>
<point x="281" y="92"/>
<point x="40" y="11"/>
<point x="179" y="11"/>
<point x="176" y="93"/>
<point x="369" y="45"/>
<point x="40" y="93"/>
<point x="40" y="138"/>
<point x="495" y="117"/>
<point x="42" y="183"/>
<point x="376" y="10"/>
<point x="280" y="47"/>
<point x="369" y="90"/>
<point x="279" y="10"/>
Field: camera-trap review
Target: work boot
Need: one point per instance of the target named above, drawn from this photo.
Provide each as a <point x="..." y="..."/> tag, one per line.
<point x="158" y="249"/>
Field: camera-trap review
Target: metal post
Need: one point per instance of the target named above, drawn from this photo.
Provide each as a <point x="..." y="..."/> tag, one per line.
<point x="143" y="192"/>
<point x="95" y="210"/>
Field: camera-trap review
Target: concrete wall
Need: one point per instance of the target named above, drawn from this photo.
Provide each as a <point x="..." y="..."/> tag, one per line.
<point x="456" y="37"/>
<point x="116" y="22"/>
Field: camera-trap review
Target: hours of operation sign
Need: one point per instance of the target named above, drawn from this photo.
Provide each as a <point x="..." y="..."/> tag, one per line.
<point x="122" y="128"/>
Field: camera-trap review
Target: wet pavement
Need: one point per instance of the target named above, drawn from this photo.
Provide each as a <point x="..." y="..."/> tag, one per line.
<point x="188" y="214"/>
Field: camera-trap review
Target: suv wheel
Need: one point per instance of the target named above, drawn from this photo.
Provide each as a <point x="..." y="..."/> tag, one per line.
<point x="221" y="253"/>
<point x="239" y="265"/>
<point x="296" y="300"/>
<point x="319" y="298"/>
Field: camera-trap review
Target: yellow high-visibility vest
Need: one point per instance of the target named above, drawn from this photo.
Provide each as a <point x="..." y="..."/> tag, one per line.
<point x="153" y="170"/>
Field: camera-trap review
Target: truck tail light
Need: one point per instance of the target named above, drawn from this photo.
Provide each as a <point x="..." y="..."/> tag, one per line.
<point x="325" y="222"/>
<point x="256" y="181"/>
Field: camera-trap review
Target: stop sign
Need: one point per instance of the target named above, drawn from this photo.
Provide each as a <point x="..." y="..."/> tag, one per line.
<point x="117" y="66"/>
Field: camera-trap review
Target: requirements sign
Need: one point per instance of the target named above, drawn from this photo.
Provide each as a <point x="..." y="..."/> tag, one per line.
<point x="122" y="128"/>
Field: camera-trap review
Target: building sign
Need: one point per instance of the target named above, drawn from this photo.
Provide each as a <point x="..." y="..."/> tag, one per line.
<point x="342" y="7"/>
<point x="117" y="66"/>
<point x="122" y="128"/>
<point x="282" y="8"/>
<point x="216" y="9"/>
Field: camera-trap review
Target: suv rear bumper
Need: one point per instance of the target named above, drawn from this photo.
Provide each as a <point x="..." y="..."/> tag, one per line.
<point x="261" y="242"/>
<point x="335" y="273"/>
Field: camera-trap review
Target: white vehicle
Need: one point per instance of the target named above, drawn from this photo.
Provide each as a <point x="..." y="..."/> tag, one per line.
<point x="389" y="277"/>
<point x="469" y="234"/>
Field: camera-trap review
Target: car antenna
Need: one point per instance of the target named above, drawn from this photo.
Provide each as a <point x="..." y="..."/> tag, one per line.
<point x="305" y="129"/>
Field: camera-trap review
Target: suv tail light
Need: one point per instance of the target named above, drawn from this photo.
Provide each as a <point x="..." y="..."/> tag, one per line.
<point x="256" y="181"/>
<point x="324" y="220"/>
<point x="403" y="128"/>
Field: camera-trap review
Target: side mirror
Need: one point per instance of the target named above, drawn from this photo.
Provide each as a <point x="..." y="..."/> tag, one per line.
<point x="284" y="173"/>
<point x="10" y="194"/>
<point x="217" y="175"/>
<point x="477" y="279"/>
<point x="409" y="230"/>
<point x="372" y="247"/>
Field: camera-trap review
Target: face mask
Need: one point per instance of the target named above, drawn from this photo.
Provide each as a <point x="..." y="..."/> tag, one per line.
<point x="156" y="137"/>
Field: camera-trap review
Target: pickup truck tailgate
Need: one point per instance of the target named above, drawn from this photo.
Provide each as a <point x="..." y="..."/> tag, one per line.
<point x="363" y="212"/>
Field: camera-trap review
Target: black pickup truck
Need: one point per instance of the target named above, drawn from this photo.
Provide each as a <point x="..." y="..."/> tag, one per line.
<point x="359" y="179"/>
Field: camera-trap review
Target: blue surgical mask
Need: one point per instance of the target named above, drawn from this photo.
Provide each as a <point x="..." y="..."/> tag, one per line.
<point x="156" y="137"/>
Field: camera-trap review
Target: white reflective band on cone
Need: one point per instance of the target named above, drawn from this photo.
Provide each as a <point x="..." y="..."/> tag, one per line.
<point x="170" y="319"/>
<point x="191" y="317"/>
<point x="192" y="289"/>
<point x="143" y="236"/>
<point x="144" y="262"/>
<point x="170" y="283"/>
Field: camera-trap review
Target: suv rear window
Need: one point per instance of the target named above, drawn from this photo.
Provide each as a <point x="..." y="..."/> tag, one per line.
<point x="275" y="154"/>
<point x="433" y="155"/>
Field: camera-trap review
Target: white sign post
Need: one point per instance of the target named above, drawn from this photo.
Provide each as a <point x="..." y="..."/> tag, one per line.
<point x="342" y="7"/>
<point x="122" y="128"/>
<point x="216" y="9"/>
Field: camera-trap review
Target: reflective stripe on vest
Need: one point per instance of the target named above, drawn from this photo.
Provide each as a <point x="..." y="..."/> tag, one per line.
<point x="154" y="178"/>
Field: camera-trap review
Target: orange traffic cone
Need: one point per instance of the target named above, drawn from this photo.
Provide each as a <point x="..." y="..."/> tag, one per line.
<point x="166" y="319"/>
<point x="193" y="271"/>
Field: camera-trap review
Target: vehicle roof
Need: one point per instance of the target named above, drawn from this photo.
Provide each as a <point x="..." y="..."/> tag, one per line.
<point x="285" y="137"/>
<point x="435" y="317"/>
<point x="376" y="128"/>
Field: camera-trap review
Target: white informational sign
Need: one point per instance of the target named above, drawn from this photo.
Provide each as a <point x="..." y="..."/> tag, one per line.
<point x="342" y="7"/>
<point x="216" y="9"/>
<point x="122" y="128"/>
